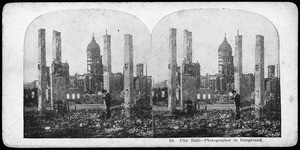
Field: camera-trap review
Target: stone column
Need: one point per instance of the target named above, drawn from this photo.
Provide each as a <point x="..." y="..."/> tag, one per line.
<point x="271" y="71"/>
<point x="172" y="70"/>
<point x="187" y="46"/>
<point x="181" y="90"/>
<point x="259" y="74"/>
<point x="238" y="60"/>
<point x="56" y="46"/>
<point x="128" y="73"/>
<point x="107" y="62"/>
<point x="42" y="83"/>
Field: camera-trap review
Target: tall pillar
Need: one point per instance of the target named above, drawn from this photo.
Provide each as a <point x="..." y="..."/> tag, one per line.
<point x="58" y="80"/>
<point x="271" y="71"/>
<point x="56" y="46"/>
<point x="259" y="74"/>
<point x="187" y="46"/>
<point x="181" y="85"/>
<point x="42" y="84"/>
<point x="172" y="70"/>
<point x="128" y="73"/>
<point x="238" y="60"/>
<point x="107" y="62"/>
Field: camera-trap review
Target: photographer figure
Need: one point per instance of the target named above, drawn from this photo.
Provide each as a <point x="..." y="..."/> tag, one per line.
<point x="237" y="100"/>
<point x="107" y="99"/>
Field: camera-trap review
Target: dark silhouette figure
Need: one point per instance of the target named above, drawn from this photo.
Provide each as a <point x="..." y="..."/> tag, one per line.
<point x="237" y="101"/>
<point x="107" y="99"/>
<point x="189" y="106"/>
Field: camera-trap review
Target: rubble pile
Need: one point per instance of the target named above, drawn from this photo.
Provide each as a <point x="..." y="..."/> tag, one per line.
<point x="92" y="123"/>
<point x="85" y="124"/>
<point x="221" y="123"/>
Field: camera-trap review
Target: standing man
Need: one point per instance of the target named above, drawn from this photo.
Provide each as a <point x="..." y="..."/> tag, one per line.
<point x="237" y="100"/>
<point x="107" y="99"/>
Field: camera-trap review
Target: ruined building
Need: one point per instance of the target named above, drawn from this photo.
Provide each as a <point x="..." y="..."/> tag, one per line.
<point x="188" y="46"/>
<point x="128" y="73"/>
<point x="42" y="79"/>
<point x="31" y="93"/>
<point x="172" y="70"/>
<point x="55" y="83"/>
<point x="204" y="80"/>
<point x="116" y="86"/>
<point x="92" y="81"/>
<point x="142" y="83"/>
<point x="238" y="60"/>
<point x="59" y="80"/>
<point x="223" y="81"/>
<point x="226" y="67"/>
<point x="272" y="83"/>
<point x="94" y="75"/>
<point x="259" y="74"/>
<point x="190" y="68"/>
<point x="189" y="75"/>
<point x="107" y="62"/>
<point x="243" y="83"/>
<point x="247" y="86"/>
<point x="98" y="75"/>
<point x="139" y="70"/>
<point x="112" y="82"/>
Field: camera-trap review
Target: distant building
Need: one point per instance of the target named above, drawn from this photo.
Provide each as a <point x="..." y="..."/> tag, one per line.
<point x="142" y="83"/>
<point x="272" y="87"/>
<point x="62" y="69"/>
<point x="223" y="81"/>
<point x="192" y="69"/>
<point x="160" y="90"/>
<point x="204" y="80"/>
<point x="92" y="81"/>
<point x="94" y="67"/>
<point x="31" y="93"/>
<point x="272" y="83"/>
<point x="74" y="93"/>
<point x="226" y="67"/>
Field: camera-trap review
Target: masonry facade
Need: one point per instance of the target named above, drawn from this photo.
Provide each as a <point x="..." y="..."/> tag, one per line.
<point x="59" y="79"/>
<point x="42" y="79"/>
<point x="172" y="70"/>
<point x="259" y="74"/>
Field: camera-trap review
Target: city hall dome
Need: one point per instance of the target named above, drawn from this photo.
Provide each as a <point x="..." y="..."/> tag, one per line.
<point x="93" y="49"/>
<point x="225" y="46"/>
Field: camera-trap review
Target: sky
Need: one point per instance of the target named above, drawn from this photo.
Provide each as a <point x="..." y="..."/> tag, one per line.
<point x="207" y="25"/>
<point x="77" y="28"/>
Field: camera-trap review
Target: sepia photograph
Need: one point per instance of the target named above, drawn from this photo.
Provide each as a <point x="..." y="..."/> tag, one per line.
<point x="195" y="76"/>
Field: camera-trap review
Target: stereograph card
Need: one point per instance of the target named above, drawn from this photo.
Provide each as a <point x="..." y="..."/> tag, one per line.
<point x="192" y="74"/>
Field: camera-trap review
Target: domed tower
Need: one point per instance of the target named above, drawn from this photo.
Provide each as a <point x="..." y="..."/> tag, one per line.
<point x="94" y="67"/>
<point x="94" y="59"/>
<point x="226" y="67"/>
